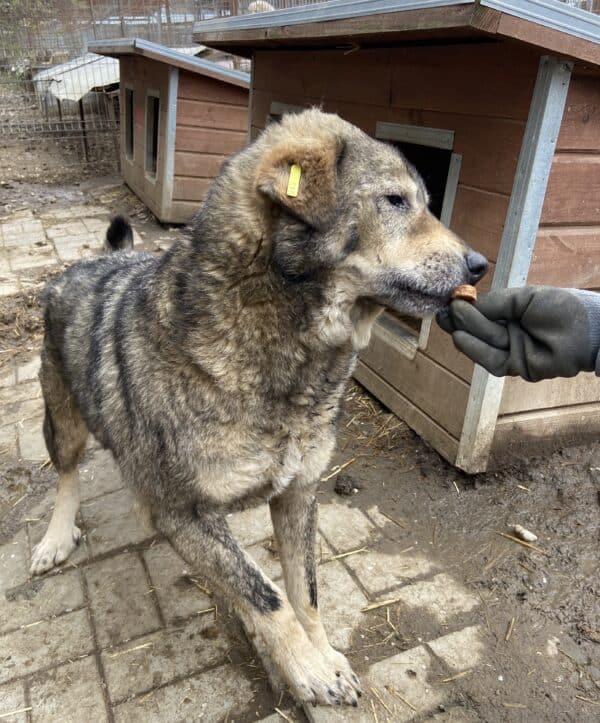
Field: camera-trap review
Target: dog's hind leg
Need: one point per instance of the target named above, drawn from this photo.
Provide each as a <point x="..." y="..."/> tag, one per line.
<point x="65" y="434"/>
<point x="294" y="515"/>
<point x="204" y="540"/>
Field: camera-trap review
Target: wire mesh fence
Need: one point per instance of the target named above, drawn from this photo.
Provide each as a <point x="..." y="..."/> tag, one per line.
<point x="62" y="102"/>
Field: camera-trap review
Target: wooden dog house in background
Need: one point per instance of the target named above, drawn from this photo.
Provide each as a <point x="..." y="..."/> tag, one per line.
<point x="497" y="102"/>
<point x="180" y="117"/>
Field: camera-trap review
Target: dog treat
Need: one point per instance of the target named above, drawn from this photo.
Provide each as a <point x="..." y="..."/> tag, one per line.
<point x="465" y="293"/>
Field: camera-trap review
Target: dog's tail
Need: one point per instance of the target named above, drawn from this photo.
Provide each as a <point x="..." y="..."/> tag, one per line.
<point x="119" y="236"/>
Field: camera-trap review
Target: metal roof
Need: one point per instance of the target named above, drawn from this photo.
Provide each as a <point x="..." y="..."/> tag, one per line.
<point x="552" y="14"/>
<point x="162" y="54"/>
<point x="320" y="12"/>
<point x="74" y="79"/>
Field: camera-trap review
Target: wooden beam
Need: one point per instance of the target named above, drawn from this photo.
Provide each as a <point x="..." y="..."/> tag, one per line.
<point x="385" y="25"/>
<point x="549" y="39"/>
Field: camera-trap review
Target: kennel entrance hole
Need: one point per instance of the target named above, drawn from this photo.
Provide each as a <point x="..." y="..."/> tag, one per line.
<point x="429" y="150"/>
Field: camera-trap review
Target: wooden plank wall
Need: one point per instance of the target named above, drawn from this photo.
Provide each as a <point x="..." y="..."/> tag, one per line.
<point x="567" y="253"/>
<point x="212" y="120"/>
<point x="465" y="88"/>
<point x="143" y="74"/>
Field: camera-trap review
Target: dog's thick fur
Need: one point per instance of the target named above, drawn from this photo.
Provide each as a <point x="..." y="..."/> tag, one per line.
<point x="214" y="372"/>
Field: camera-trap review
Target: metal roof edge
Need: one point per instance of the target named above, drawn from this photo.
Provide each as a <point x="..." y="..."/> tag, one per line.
<point x="319" y="12"/>
<point x="155" y="51"/>
<point x="551" y="14"/>
<point x="117" y="46"/>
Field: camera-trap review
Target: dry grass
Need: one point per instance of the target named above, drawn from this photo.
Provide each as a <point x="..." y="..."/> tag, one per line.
<point x="368" y="426"/>
<point x="21" y="325"/>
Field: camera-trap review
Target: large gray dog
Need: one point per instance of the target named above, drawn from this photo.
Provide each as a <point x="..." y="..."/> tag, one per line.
<point x="214" y="372"/>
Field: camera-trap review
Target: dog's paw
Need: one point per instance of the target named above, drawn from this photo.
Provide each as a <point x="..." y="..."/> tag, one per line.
<point x="54" y="548"/>
<point x="340" y="662"/>
<point x="317" y="680"/>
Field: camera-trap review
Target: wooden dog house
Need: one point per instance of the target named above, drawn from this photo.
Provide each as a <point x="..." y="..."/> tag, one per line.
<point x="180" y="117"/>
<point x="497" y="102"/>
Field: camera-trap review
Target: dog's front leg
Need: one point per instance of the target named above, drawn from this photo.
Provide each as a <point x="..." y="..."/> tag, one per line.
<point x="294" y="515"/>
<point x="205" y="542"/>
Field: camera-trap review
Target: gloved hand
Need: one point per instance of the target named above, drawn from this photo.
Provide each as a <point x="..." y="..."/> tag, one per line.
<point x="535" y="332"/>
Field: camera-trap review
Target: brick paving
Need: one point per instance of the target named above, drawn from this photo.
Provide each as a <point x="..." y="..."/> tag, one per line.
<point x="124" y="632"/>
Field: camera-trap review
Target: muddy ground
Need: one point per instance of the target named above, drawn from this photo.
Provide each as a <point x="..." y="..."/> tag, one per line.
<point x="540" y="608"/>
<point x="529" y="597"/>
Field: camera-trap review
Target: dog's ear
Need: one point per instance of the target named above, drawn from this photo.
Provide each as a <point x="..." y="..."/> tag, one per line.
<point x="303" y="178"/>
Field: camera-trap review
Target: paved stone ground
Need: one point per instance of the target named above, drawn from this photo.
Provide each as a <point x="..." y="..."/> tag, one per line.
<point x="125" y="632"/>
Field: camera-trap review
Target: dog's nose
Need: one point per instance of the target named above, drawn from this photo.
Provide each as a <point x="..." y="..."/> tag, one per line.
<point x="477" y="265"/>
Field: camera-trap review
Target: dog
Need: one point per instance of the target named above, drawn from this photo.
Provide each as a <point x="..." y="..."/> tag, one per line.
<point x="214" y="372"/>
<point x="260" y="6"/>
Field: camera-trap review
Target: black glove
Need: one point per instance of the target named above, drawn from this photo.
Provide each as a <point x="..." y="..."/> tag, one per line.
<point x="535" y="332"/>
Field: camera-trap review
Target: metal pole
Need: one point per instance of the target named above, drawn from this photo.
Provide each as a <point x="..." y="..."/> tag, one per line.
<point x="121" y="19"/>
<point x="83" y="134"/>
<point x="93" y="19"/>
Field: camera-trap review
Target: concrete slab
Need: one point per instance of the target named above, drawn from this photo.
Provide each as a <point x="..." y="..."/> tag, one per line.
<point x="179" y="597"/>
<point x="99" y="475"/>
<point x="209" y="697"/>
<point x="441" y="596"/>
<point x="157" y="659"/>
<point x="120" y="599"/>
<point x="8" y="440"/>
<point x="75" y="211"/>
<point x="12" y="698"/>
<point x="251" y="526"/>
<point x="14" y="562"/>
<point x="388" y="566"/>
<point x="45" y="644"/>
<point x="40" y="599"/>
<point x="460" y="650"/>
<point x="112" y="522"/>
<point x="397" y="688"/>
<point x="10" y="395"/>
<point x="345" y="528"/>
<point x="29" y="370"/>
<point x="32" y="446"/>
<point x="31" y="257"/>
<point x="10" y="285"/>
<point x="70" y="692"/>
<point x="340" y="602"/>
<point x="19" y="412"/>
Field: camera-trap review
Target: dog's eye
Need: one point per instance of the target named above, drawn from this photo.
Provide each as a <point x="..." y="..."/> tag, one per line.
<point x="398" y="201"/>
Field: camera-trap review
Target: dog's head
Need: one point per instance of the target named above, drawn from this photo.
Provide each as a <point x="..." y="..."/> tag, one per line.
<point x="347" y="205"/>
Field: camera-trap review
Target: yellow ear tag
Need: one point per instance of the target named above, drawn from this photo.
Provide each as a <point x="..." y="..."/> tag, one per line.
<point x="294" y="180"/>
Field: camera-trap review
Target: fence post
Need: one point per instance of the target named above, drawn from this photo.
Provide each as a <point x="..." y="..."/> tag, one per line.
<point x="93" y="19"/>
<point x="121" y="18"/>
<point x="83" y="134"/>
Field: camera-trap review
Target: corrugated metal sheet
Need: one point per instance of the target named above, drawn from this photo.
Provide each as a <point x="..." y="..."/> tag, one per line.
<point x="155" y="51"/>
<point x="72" y="80"/>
